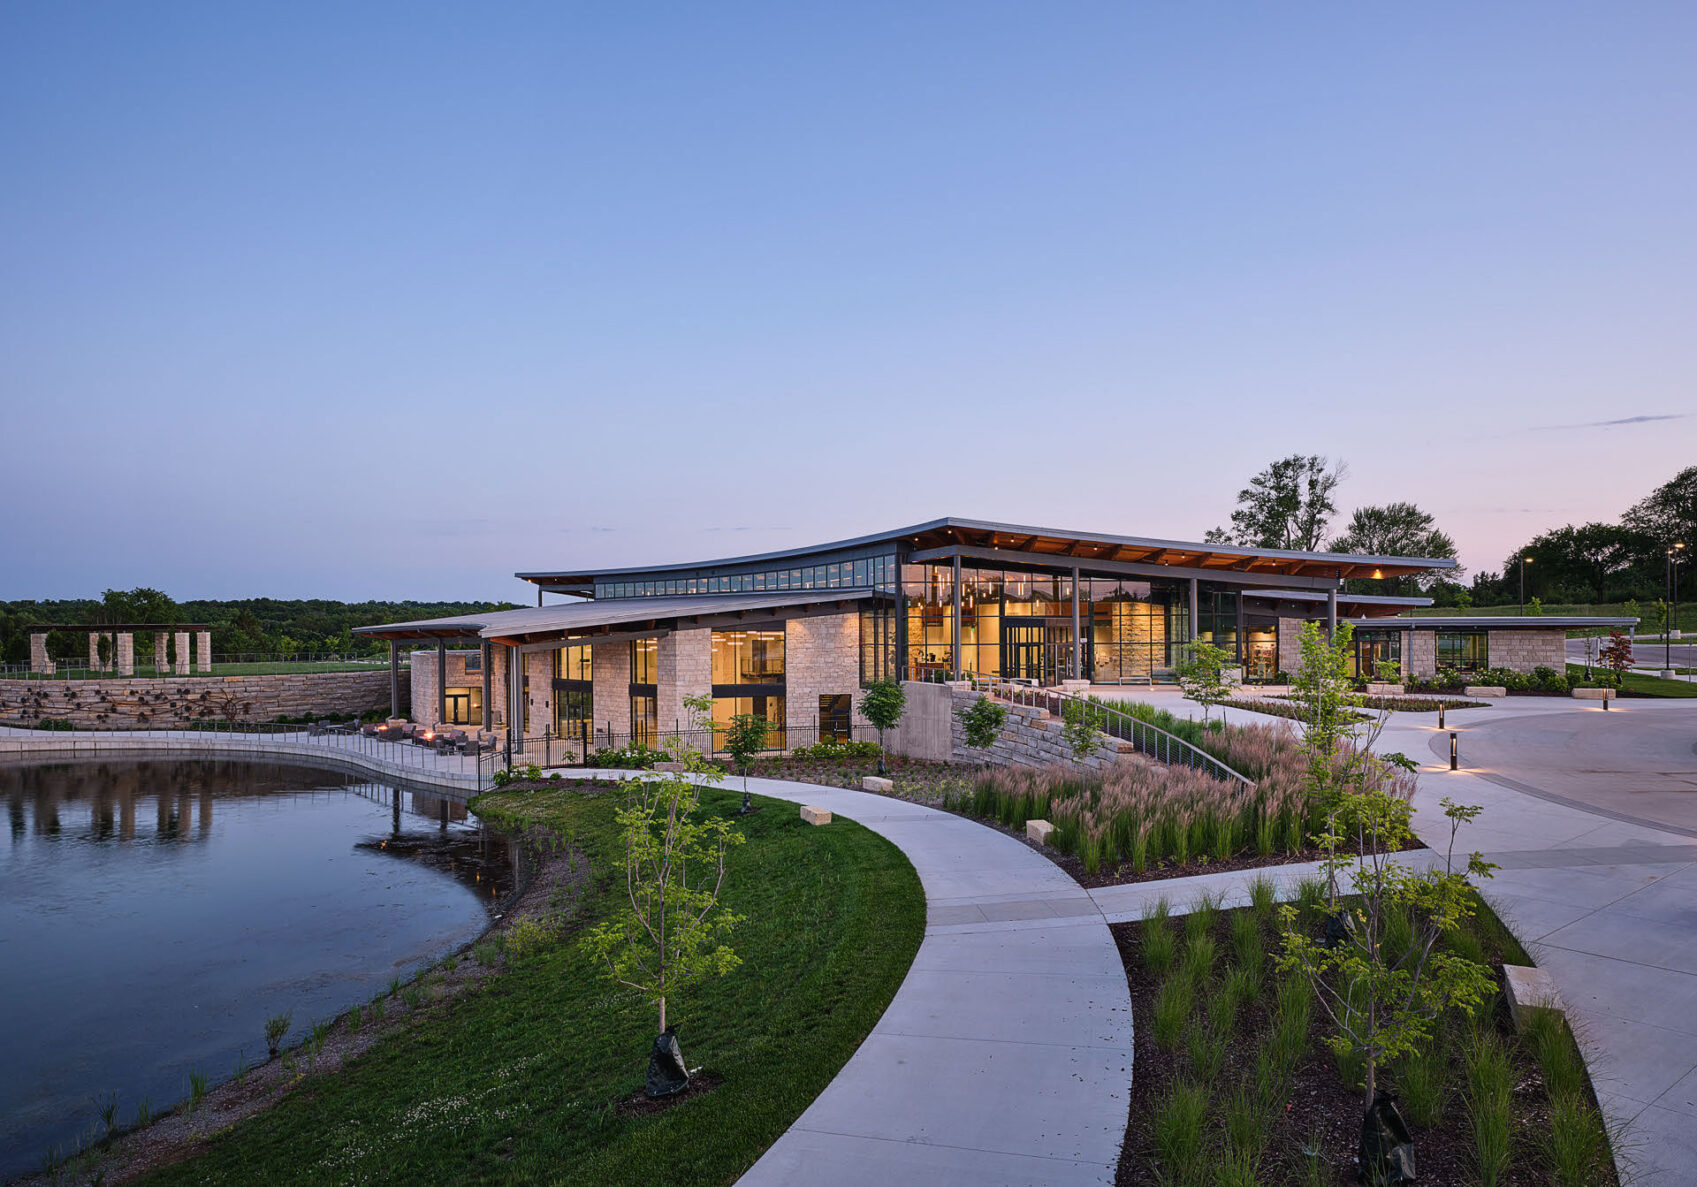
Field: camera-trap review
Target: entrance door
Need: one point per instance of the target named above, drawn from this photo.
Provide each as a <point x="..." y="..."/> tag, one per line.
<point x="1040" y="649"/>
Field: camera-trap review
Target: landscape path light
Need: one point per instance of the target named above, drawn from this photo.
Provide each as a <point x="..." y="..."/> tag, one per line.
<point x="1454" y="756"/>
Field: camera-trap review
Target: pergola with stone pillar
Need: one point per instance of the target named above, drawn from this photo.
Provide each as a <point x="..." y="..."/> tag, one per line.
<point x="123" y="636"/>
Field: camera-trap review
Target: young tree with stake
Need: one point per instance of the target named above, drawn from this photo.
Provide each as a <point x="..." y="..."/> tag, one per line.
<point x="882" y="704"/>
<point x="672" y="934"/>
<point x="745" y="739"/>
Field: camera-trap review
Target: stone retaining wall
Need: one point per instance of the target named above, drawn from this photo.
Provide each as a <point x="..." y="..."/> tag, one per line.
<point x="1029" y="737"/>
<point x="167" y="702"/>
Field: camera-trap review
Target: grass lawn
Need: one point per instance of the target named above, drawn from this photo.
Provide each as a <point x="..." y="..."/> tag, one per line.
<point x="1649" y="686"/>
<point x="1235" y="1084"/>
<point x="522" y="1078"/>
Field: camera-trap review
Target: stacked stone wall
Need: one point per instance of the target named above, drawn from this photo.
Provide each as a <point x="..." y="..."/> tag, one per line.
<point x="609" y="670"/>
<point x="821" y="658"/>
<point x="1029" y="738"/>
<point x="1523" y="649"/>
<point x="167" y="702"/>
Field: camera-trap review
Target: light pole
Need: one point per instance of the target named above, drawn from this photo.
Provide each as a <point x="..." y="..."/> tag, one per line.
<point x="1524" y="561"/>
<point x="1673" y="598"/>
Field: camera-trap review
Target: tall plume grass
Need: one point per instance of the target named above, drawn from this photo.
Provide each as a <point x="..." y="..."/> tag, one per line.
<point x="1145" y="813"/>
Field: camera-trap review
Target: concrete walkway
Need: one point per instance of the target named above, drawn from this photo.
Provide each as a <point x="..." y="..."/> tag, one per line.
<point x="1604" y="898"/>
<point x="400" y="762"/>
<point x="1005" y="1056"/>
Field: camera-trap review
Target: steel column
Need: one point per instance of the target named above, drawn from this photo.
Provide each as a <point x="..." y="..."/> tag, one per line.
<point x="441" y="680"/>
<point x="515" y="696"/>
<point x="394" y="679"/>
<point x="1195" y="618"/>
<point x="1076" y="645"/>
<point x="1331" y="612"/>
<point x="957" y="665"/>
<point x="483" y="714"/>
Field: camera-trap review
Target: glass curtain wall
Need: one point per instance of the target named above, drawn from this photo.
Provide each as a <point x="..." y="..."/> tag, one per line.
<point x="574" y="693"/>
<point x="644" y="693"/>
<point x="877" y="643"/>
<point x="748" y="677"/>
<point x="1216" y="608"/>
<point x="1017" y="623"/>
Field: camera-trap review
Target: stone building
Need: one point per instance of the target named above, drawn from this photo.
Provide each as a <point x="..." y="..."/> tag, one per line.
<point x="792" y="636"/>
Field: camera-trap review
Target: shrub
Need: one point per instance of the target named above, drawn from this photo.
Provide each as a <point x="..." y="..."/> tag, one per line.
<point x="634" y="757"/>
<point x="528" y="935"/>
<point x="835" y="751"/>
<point x="982" y="722"/>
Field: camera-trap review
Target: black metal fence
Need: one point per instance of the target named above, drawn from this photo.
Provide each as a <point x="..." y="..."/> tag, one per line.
<point x="605" y="745"/>
<point x="1116" y="723"/>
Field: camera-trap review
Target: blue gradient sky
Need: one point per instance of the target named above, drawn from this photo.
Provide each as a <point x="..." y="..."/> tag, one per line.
<point x="392" y="300"/>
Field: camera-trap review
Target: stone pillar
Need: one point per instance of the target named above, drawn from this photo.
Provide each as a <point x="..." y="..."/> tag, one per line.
<point x="203" y="651"/>
<point x="539" y="668"/>
<point x="94" y="652"/>
<point x="685" y="668"/>
<point x="124" y="652"/>
<point x="182" y="666"/>
<point x="161" y="652"/>
<point x="38" y="661"/>
<point x="609" y="669"/>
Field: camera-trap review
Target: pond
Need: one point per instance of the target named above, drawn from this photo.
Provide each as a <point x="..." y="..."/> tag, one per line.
<point x="154" y="914"/>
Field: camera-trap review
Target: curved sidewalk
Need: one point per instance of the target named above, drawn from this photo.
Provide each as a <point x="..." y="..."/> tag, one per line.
<point x="1005" y="1056"/>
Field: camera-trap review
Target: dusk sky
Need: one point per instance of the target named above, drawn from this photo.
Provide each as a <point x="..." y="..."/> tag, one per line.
<point x="393" y="300"/>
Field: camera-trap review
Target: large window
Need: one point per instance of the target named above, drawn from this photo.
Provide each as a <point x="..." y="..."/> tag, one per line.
<point x="1463" y="651"/>
<point x="574" y="693"/>
<point x="769" y="707"/>
<point x="877" y="644"/>
<point x="644" y="719"/>
<point x="644" y="693"/>
<point x="1137" y="628"/>
<point x="1376" y="647"/>
<point x="644" y="655"/>
<point x="863" y="572"/>
<point x="748" y="657"/>
<point x="836" y="717"/>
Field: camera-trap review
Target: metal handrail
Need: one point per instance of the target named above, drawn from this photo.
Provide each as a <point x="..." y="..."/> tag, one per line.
<point x="1144" y="737"/>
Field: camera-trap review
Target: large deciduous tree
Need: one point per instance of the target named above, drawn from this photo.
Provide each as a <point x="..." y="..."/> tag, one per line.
<point x="1593" y="562"/>
<point x="1396" y="529"/>
<point x="1668" y="514"/>
<point x="1287" y="505"/>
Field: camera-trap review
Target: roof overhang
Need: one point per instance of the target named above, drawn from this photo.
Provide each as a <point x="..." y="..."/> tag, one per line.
<point x="1531" y="622"/>
<point x="623" y="618"/>
<point x="1053" y="544"/>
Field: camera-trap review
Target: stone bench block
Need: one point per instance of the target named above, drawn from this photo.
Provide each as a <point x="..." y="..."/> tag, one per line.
<point x="876" y="783"/>
<point x="1384" y="690"/>
<point x="670" y="767"/>
<point x="1593" y="694"/>
<point x="1038" y="830"/>
<point x="1484" y="690"/>
<point x="815" y="815"/>
<point x="1529" y="990"/>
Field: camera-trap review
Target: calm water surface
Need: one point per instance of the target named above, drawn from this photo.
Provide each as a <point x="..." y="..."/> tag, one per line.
<point x="153" y="914"/>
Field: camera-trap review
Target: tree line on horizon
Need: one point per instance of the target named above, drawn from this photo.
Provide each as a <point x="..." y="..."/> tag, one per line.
<point x="1291" y="504"/>
<point x="240" y="626"/>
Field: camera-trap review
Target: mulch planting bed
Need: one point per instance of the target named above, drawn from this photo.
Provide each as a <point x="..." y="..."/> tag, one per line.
<point x="638" y="1104"/>
<point x="1311" y="1117"/>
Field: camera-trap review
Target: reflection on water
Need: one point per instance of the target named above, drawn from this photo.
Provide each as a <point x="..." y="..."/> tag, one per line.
<point x="153" y="914"/>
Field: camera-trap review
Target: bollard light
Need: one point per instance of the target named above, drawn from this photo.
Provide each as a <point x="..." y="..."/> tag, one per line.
<point x="1453" y="758"/>
<point x="1606" y="701"/>
<point x="1440" y="715"/>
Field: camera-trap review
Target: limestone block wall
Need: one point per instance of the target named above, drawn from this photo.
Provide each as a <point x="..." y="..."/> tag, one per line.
<point x="1420" y="653"/>
<point x="821" y="658"/>
<point x="931" y="728"/>
<point x="166" y="702"/>
<point x="1523" y="649"/>
<point x="539" y="693"/>
<point x="423" y="704"/>
<point x="609" y="672"/>
<point x="1290" y="644"/>
<point x="684" y="663"/>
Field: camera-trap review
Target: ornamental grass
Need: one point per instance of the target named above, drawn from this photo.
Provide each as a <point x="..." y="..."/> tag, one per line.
<point x="1145" y="814"/>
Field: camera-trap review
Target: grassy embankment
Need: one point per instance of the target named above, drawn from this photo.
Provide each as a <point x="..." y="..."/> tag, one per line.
<point x="525" y="1077"/>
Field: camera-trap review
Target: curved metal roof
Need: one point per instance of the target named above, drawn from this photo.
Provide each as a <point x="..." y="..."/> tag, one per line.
<point x="1072" y="546"/>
